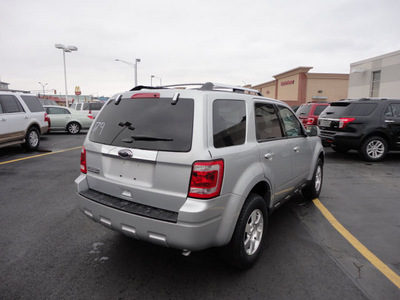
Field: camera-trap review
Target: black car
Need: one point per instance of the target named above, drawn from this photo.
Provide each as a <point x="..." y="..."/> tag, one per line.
<point x="370" y="126"/>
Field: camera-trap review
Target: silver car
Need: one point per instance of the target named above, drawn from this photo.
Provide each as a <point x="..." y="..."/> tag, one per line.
<point x="65" y="119"/>
<point x="196" y="167"/>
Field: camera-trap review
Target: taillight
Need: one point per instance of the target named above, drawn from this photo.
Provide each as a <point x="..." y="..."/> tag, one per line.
<point x="90" y="117"/>
<point x="344" y="121"/>
<point x="83" y="161"/>
<point x="206" y="179"/>
<point x="310" y="121"/>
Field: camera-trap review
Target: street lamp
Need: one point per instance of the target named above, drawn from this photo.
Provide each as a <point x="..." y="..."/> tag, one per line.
<point x="66" y="49"/>
<point x="152" y="76"/>
<point x="43" y="85"/>
<point x="134" y="65"/>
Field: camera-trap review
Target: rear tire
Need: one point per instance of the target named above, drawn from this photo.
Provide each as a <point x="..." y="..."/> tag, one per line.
<point x="374" y="149"/>
<point x="246" y="244"/>
<point x="313" y="190"/>
<point x="32" y="139"/>
<point x="73" y="128"/>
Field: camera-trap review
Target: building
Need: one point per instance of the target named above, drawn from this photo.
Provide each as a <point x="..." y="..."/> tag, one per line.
<point x="298" y="86"/>
<point x="376" y="77"/>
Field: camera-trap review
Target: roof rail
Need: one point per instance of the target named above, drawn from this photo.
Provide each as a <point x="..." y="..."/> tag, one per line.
<point x="208" y="86"/>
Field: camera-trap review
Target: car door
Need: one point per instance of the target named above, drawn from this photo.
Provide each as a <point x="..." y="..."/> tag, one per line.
<point x="59" y="117"/>
<point x="392" y="121"/>
<point x="298" y="143"/>
<point x="275" y="156"/>
<point x="13" y="119"/>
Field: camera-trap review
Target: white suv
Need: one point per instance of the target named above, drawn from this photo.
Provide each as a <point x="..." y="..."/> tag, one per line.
<point x="22" y="120"/>
<point x="196" y="168"/>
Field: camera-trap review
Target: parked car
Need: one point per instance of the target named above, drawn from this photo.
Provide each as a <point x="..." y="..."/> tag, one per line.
<point x="309" y="113"/>
<point x="65" y="119"/>
<point x="22" y="120"/>
<point x="370" y="126"/>
<point x="92" y="107"/>
<point x="196" y="168"/>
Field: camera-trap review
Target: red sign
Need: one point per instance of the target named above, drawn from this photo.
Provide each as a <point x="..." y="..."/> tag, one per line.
<point x="287" y="82"/>
<point x="77" y="90"/>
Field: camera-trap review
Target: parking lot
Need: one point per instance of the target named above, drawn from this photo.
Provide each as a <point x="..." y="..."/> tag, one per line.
<point x="50" y="250"/>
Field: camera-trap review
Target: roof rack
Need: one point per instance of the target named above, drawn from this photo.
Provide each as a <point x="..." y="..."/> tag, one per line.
<point x="208" y="86"/>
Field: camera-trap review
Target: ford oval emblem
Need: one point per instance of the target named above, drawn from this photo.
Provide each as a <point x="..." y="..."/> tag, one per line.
<point x="125" y="153"/>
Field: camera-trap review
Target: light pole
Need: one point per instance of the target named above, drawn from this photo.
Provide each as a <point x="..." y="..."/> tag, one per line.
<point x="43" y="85"/>
<point x="152" y="76"/>
<point x="66" y="49"/>
<point x="134" y="65"/>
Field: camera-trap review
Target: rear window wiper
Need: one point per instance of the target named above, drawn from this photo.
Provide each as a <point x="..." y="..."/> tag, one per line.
<point x="150" y="138"/>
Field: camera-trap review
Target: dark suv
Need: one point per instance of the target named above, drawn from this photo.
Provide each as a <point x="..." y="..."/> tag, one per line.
<point x="371" y="126"/>
<point x="309" y="113"/>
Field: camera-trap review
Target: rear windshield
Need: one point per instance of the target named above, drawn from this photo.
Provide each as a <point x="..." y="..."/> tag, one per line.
<point x="93" y="106"/>
<point x="150" y="124"/>
<point x="336" y="108"/>
<point x="319" y="109"/>
<point x="303" y="110"/>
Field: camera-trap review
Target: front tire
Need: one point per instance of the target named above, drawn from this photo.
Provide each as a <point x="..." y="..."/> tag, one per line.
<point x="374" y="149"/>
<point x="73" y="128"/>
<point x="313" y="190"/>
<point x="32" y="139"/>
<point x="246" y="244"/>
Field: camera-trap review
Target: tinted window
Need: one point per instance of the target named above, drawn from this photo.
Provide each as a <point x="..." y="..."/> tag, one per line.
<point x="303" y="110"/>
<point x="33" y="103"/>
<point x="229" y="123"/>
<point x="319" y="109"/>
<point x="151" y="124"/>
<point x="10" y="104"/>
<point x="267" y="122"/>
<point x="292" y="126"/>
<point x="96" y="105"/>
<point x="363" y="109"/>
<point x="336" y="108"/>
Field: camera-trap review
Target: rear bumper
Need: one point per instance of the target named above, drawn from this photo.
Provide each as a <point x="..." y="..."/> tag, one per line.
<point x="198" y="225"/>
<point x="340" y="139"/>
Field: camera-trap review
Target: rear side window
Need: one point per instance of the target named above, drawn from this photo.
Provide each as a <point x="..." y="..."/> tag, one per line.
<point x="229" y="123"/>
<point x="363" y="109"/>
<point x="146" y="123"/>
<point x="10" y="104"/>
<point x="33" y="103"/>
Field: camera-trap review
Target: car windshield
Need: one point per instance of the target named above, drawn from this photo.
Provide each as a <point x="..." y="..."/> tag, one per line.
<point x="151" y="124"/>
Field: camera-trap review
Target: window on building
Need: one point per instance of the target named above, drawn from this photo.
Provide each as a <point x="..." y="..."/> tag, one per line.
<point x="376" y="79"/>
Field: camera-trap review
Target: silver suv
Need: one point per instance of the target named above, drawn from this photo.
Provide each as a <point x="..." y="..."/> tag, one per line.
<point x="196" y="168"/>
<point x="22" y="120"/>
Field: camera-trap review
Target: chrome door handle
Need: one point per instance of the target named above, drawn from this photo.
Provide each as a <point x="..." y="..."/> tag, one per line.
<point x="296" y="149"/>
<point x="269" y="155"/>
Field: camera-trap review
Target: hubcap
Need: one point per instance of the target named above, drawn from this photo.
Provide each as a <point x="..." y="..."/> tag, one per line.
<point x="318" y="178"/>
<point x="375" y="149"/>
<point x="73" y="128"/>
<point x="254" y="231"/>
<point x="33" y="139"/>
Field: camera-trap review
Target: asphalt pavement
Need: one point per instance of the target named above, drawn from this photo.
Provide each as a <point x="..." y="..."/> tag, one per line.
<point x="51" y="250"/>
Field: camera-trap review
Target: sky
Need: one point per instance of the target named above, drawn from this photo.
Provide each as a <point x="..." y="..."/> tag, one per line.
<point x="183" y="41"/>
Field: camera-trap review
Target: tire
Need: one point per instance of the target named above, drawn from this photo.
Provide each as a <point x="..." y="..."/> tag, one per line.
<point x="73" y="128"/>
<point x="313" y="190"/>
<point x="32" y="139"/>
<point x="246" y="244"/>
<point x="374" y="149"/>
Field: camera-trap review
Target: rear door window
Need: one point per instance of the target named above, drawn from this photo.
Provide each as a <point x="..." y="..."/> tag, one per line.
<point x="292" y="127"/>
<point x="229" y="123"/>
<point x="146" y="123"/>
<point x="267" y="122"/>
<point x="33" y="103"/>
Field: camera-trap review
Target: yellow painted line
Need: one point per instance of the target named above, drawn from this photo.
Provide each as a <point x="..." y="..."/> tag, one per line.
<point x="40" y="155"/>
<point x="384" y="269"/>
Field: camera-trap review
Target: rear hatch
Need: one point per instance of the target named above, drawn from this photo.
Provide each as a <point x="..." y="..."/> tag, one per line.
<point x="139" y="149"/>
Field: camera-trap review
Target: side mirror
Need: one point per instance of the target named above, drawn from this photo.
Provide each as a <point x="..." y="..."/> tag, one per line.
<point x="313" y="130"/>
